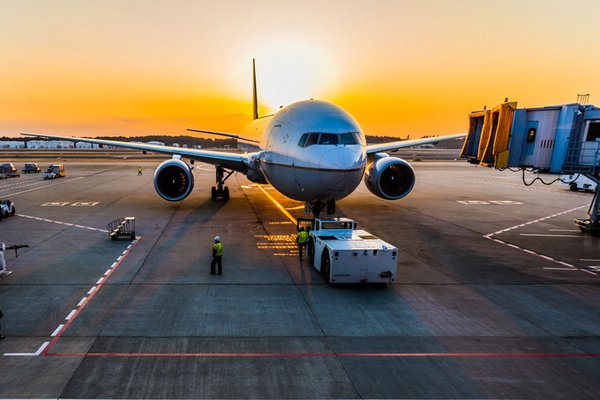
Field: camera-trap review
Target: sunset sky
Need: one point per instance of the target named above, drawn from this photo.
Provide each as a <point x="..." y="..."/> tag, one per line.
<point x="130" y="67"/>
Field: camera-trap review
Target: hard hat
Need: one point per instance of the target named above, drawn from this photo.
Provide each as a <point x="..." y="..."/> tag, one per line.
<point x="217" y="238"/>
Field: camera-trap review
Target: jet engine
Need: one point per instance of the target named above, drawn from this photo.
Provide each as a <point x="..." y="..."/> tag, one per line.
<point x="388" y="177"/>
<point x="173" y="180"/>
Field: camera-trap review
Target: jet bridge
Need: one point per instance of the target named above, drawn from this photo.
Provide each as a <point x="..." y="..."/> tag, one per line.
<point x="561" y="139"/>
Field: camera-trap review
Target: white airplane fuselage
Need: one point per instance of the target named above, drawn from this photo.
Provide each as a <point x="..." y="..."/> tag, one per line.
<point x="313" y="151"/>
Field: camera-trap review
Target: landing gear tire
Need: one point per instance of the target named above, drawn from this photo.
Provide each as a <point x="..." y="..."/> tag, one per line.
<point x="326" y="266"/>
<point x="226" y="193"/>
<point x="213" y="193"/>
<point x="573" y="187"/>
<point x="14" y="210"/>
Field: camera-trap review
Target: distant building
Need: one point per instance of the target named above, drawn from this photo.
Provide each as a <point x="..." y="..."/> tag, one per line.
<point x="45" y="144"/>
<point x="14" y="144"/>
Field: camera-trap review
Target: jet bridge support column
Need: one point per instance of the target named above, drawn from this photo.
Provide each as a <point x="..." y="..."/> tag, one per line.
<point x="592" y="225"/>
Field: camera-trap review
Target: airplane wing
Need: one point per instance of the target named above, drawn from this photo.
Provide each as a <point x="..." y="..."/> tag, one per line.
<point x="389" y="146"/>
<point x="234" y="161"/>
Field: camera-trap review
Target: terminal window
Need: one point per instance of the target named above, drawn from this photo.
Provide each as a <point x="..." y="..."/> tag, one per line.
<point x="593" y="134"/>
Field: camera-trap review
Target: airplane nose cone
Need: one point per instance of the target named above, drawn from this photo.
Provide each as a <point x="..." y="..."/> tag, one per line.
<point x="336" y="168"/>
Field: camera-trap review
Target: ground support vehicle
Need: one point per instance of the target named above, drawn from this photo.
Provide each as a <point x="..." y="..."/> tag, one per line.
<point x="345" y="254"/>
<point x="588" y="226"/>
<point x="31" y="168"/>
<point x="8" y="170"/>
<point x="7" y="208"/>
<point x="55" y="171"/>
<point x="578" y="182"/>
<point x="124" y="226"/>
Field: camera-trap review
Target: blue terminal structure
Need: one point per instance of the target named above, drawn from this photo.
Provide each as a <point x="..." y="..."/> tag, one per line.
<point x="561" y="139"/>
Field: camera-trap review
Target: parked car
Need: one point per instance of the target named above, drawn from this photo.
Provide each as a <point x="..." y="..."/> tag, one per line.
<point x="7" y="208"/>
<point x="31" y="168"/>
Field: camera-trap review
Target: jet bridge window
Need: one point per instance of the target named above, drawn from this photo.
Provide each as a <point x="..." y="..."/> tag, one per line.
<point x="593" y="134"/>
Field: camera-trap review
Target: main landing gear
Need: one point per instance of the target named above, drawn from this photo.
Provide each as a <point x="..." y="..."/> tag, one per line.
<point x="315" y="207"/>
<point x="220" y="191"/>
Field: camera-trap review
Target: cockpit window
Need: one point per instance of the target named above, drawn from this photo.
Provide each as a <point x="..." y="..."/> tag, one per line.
<point x="312" y="138"/>
<point x="347" y="138"/>
<point x="302" y="140"/>
<point x="328" y="138"/>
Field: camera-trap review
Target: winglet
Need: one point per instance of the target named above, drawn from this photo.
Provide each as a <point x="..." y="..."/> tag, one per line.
<point x="254" y="96"/>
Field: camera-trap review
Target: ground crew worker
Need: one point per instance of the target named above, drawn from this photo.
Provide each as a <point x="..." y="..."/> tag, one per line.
<point x="302" y="240"/>
<point x="1" y="315"/>
<point x="2" y="260"/>
<point x="217" y="255"/>
<point x="139" y="170"/>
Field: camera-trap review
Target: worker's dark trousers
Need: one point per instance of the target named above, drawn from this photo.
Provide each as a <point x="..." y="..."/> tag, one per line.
<point x="301" y="247"/>
<point x="216" y="261"/>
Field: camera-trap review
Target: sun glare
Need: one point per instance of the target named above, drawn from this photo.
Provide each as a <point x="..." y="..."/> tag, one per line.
<point x="291" y="71"/>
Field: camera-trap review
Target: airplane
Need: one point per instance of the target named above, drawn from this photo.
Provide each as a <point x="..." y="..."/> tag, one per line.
<point x="312" y="151"/>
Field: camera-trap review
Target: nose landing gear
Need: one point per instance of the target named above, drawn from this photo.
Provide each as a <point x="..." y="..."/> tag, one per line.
<point x="220" y="191"/>
<point x="315" y="207"/>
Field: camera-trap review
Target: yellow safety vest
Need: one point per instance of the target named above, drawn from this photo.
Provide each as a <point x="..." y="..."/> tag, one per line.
<point x="219" y="248"/>
<point x="302" y="237"/>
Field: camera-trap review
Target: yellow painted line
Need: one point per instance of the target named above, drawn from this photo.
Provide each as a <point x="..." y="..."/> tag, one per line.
<point x="283" y="210"/>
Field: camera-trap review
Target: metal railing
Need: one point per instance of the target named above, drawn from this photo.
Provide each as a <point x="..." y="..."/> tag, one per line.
<point x="582" y="157"/>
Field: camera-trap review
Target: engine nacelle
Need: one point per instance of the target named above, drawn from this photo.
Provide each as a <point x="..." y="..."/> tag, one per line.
<point x="390" y="178"/>
<point x="173" y="180"/>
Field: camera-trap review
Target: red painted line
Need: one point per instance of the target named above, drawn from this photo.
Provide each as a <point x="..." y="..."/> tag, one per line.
<point x="85" y="303"/>
<point x="367" y="355"/>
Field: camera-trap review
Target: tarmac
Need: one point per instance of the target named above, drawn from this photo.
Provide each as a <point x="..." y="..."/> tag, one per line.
<point x="497" y="293"/>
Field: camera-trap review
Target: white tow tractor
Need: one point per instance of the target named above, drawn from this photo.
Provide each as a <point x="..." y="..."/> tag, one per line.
<point x="345" y="254"/>
<point x="7" y="208"/>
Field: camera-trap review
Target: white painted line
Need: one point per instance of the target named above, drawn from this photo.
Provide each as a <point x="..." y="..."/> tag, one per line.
<point x="61" y="223"/>
<point x="561" y="269"/>
<point x="589" y="272"/>
<point x="529" y="251"/>
<point x="81" y="301"/>
<point x="42" y="347"/>
<point x="19" y="354"/>
<point x="92" y="290"/>
<point x="99" y="281"/>
<point x="549" y="235"/>
<point x="112" y="266"/>
<point x="41" y="187"/>
<point x="566" y="264"/>
<point x="563" y="230"/>
<point x="71" y="314"/>
<point x="119" y="258"/>
<point x="57" y="330"/>
<point x="546" y="257"/>
<point x="107" y="272"/>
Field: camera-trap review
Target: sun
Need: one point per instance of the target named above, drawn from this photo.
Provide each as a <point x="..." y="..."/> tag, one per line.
<point x="289" y="71"/>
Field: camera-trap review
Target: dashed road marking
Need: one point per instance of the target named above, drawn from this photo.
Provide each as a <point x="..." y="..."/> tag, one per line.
<point x="531" y="252"/>
<point x="62" y="223"/>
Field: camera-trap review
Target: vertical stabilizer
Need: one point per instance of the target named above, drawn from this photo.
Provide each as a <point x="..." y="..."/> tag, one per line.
<point x="254" y="96"/>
